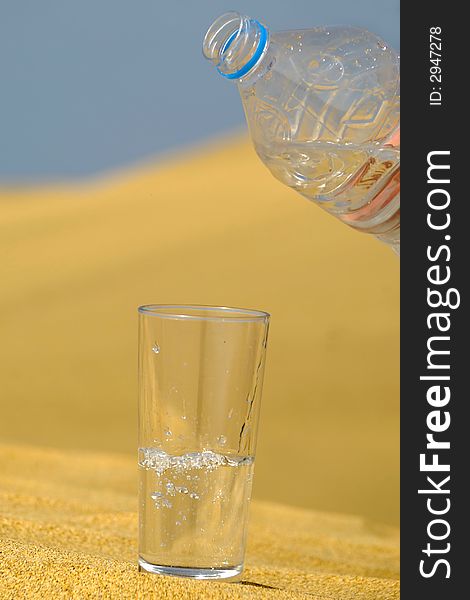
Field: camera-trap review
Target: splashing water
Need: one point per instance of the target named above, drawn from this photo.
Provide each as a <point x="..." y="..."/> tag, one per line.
<point x="194" y="507"/>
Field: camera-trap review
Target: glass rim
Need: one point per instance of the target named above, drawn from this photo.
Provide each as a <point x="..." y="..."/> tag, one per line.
<point x="183" y="312"/>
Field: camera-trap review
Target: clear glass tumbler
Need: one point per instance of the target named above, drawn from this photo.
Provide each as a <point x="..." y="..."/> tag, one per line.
<point x="200" y="381"/>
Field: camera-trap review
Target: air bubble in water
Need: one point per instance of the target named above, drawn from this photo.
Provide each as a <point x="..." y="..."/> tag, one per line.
<point x="167" y="432"/>
<point x="194" y="496"/>
<point x="222" y="440"/>
<point x="182" y="489"/>
<point x="156" y="348"/>
<point x="160" y="501"/>
<point x="219" y="496"/>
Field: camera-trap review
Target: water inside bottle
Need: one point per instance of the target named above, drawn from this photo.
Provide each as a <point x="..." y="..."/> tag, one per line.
<point x="358" y="184"/>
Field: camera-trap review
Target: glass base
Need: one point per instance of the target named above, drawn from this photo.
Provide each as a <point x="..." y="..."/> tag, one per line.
<point x="228" y="574"/>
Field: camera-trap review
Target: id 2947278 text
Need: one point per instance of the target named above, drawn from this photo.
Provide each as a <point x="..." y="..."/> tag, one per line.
<point x="435" y="68"/>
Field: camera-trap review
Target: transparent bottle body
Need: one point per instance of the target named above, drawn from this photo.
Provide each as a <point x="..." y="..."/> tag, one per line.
<point x="322" y="107"/>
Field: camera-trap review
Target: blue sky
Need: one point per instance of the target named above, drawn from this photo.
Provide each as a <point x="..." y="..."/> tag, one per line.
<point x="96" y="85"/>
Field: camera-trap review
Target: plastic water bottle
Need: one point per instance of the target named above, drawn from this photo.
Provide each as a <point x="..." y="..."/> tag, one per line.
<point x="322" y="106"/>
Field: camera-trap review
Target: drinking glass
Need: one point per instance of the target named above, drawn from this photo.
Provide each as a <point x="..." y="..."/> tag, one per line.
<point x="200" y="381"/>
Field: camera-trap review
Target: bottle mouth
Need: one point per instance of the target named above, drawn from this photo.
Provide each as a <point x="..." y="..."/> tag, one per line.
<point x="235" y="44"/>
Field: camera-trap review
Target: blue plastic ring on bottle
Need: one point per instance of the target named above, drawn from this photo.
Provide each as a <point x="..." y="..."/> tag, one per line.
<point x="263" y="40"/>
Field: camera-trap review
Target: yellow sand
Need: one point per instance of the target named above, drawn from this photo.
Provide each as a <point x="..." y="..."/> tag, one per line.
<point x="212" y="227"/>
<point x="68" y="529"/>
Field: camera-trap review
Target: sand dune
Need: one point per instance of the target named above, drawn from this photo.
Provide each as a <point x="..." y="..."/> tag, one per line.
<point x="68" y="529"/>
<point x="210" y="226"/>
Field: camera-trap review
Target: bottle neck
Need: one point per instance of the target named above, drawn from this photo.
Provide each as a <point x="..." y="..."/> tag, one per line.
<point x="235" y="44"/>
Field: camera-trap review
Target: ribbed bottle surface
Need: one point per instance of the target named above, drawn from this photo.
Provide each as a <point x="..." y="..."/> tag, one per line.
<point x="322" y="106"/>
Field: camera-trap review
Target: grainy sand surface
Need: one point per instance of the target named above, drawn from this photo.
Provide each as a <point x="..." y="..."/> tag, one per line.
<point x="210" y="226"/>
<point x="68" y="529"/>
